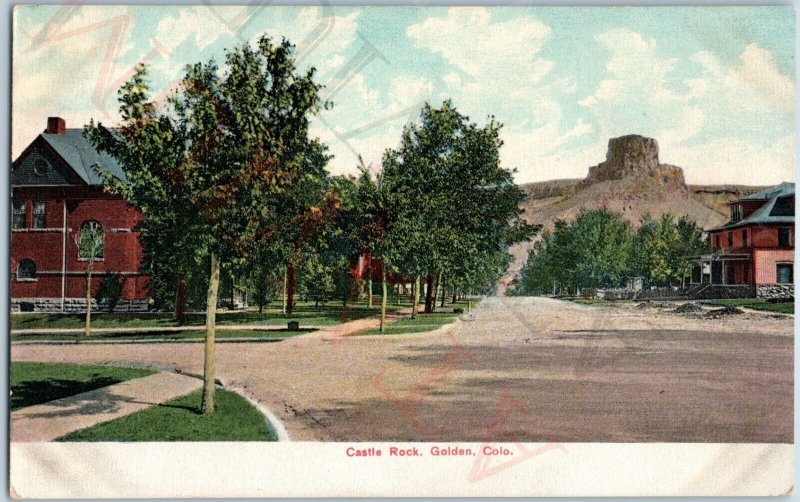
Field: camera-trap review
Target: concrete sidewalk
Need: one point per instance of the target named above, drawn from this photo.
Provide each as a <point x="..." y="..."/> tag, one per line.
<point x="48" y="421"/>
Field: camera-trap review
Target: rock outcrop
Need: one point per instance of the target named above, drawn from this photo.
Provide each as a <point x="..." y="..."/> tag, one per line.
<point x="635" y="157"/>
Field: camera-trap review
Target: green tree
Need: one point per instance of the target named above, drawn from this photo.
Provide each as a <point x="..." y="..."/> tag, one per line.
<point x="453" y="207"/>
<point x="110" y="291"/>
<point x="604" y="244"/>
<point x="663" y="247"/>
<point x="316" y="279"/>
<point x="229" y="147"/>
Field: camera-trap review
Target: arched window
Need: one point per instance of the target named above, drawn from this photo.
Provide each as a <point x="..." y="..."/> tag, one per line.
<point x="91" y="242"/>
<point x="26" y="270"/>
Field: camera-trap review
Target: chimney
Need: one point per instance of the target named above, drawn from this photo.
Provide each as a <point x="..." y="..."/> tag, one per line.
<point x="56" y="125"/>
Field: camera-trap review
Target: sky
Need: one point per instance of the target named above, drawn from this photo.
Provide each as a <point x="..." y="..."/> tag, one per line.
<point x="714" y="85"/>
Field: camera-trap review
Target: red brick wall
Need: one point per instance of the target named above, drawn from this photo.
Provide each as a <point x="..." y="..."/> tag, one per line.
<point x="758" y="236"/>
<point x="766" y="261"/>
<point x="122" y="252"/>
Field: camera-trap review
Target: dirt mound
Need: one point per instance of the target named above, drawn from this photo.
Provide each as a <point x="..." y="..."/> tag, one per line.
<point x="655" y="305"/>
<point x="688" y="308"/>
<point x="725" y="311"/>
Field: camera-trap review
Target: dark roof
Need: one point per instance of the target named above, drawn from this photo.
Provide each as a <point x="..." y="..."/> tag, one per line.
<point x="80" y="154"/>
<point x="768" y="193"/>
<point x="778" y="208"/>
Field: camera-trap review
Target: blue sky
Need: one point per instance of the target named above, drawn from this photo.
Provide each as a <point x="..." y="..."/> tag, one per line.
<point x="715" y="86"/>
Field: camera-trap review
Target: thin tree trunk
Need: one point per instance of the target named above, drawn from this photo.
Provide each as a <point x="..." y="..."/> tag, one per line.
<point x="369" y="283"/>
<point x="415" y="306"/>
<point x="444" y="289"/>
<point x="87" y="327"/>
<point x="436" y="286"/>
<point x="233" y="293"/>
<point x="285" y="274"/>
<point x="180" y="299"/>
<point x="455" y="294"/>
<point x="384" y="296"/>
<point x="429" y="293"/>
<point x="291" y="280"/>
<point x="211" y="331"/>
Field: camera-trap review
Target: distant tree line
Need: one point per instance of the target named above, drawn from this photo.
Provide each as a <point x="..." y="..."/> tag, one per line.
<point x="599" y="248"/>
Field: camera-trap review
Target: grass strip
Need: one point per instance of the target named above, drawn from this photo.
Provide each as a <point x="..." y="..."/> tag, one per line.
<point x="36" y="383"/>
<point x="234" y="419"/>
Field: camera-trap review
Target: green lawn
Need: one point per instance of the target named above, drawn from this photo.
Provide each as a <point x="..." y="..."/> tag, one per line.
<point x="162" y="335"/>
<point x="755" y="304"/>
<point x="234" y="419"/>
<point x="423" y="323"/>
<point x="306" y="313"/>
<point x="35" y="383"/>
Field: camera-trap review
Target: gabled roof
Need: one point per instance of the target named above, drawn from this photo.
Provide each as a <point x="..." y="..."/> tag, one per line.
<point x="768" y="193"/>
<point x="82" y="157"/>
<point x="776" y="210"/>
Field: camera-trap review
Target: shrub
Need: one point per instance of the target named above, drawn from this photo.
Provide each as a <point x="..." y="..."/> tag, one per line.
<point x="110" y="291"/>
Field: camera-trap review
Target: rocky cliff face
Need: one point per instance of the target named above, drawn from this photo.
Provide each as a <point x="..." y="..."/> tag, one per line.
<point x="636" y="157"/>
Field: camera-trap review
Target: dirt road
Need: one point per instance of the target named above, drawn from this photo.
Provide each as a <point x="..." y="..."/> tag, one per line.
<point x="522" y="369"/>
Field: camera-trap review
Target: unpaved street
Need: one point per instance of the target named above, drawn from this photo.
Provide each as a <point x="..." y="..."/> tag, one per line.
<point x="522" y="369"/>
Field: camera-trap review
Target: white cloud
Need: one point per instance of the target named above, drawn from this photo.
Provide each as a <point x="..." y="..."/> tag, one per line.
<point x="735" y="161"/>
<point x="752" y="98"/>
<point x="545" y="152"/>
<point x="685" y="124"/>
<point x="469" y="40"/>
<point x="489" y="60"/>
<point x="452" y="80"/>
<point x="635" y="91"/>
<point x="199" y="24"/>
<point x="406" y="90"/>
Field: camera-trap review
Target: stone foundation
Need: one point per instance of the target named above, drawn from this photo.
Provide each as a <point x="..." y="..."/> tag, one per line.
<point x="73" y="305"/>
<point x="719" y="291"/>
<point x="769" y="291"/>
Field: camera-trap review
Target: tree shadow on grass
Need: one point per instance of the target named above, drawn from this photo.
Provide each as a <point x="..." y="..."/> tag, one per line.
<point x="34" y="392"/>
<point x="101" y="401"/>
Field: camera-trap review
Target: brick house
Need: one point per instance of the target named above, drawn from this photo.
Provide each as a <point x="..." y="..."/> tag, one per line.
<point x="753" y="254"/>
<point x="56" y="191"/>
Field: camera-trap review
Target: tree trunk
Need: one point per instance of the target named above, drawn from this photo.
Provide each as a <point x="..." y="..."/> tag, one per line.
<point x="291" y="280"/>
<point x="415" y="306"/>
<point x="455" y="294"/>
<point x="437" y="283"/>
<point x="444" y="289"/>
<point x="87" y="327"/>
<point x="285" y="274"/>
<point x="429" y="293"/>
<point x="384" y="296"/>
<point x="211" y="331"/>
<point x="180" y="299"/>
<point x="233" y="293"/>
<point x="369" y="283"/>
